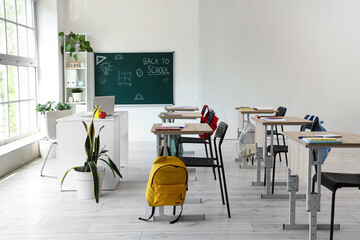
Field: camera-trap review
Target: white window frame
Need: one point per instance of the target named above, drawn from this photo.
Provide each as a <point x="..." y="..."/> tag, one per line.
<point x="20" y="61"/>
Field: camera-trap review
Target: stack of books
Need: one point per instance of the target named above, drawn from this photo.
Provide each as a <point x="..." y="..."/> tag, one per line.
<point x="321" y="140"/>
<point x="170" y="126"/>
<point x="264" y="108"/>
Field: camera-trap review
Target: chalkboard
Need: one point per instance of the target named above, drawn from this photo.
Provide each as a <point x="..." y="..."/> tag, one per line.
<point x="135" y="78"/>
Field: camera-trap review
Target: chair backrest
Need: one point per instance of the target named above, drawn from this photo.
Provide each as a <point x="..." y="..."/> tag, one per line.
<point x="313" y="118"/>
<point x="281" y="111"/>
<point x="51" y="118"/>
<point x="220" y="132"/>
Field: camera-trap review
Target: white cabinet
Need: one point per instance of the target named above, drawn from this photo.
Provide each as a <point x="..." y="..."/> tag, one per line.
<point x="71" y="136"/>
<point x="76" y="78"/>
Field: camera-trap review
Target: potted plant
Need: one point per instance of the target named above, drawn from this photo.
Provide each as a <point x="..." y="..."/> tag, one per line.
<point x="76" y="94"/>
<point x="89" y="176"/>
<point x="75" y="43"/>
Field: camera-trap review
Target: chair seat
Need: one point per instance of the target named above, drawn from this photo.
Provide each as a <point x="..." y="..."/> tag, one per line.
<point x="278" y="149"/>
<point x="333" y="181"/>
<point x="198" y="162"/>
<point x="192" y="140"/>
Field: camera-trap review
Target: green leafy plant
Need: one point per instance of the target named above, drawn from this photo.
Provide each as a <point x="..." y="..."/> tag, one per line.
<point x="48" y="106"/>
<point x="76" y="90"/>
<point x="42" y="108"/>
<point x="93" y="155"/>
<point x="62" y="106"/>
<point x="70" y="42"/>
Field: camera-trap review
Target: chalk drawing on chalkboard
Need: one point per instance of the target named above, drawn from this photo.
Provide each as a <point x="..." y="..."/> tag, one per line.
<point x="166" y="80"/>
<point x="99" y="59"/>
<point x="124" y="79"/>
<point x="102" y="80"/>
<point x="139" y="97"/>
<point x="106" y="67"/>
<point x="118" y="57"/>
<point x="139" y="72"/>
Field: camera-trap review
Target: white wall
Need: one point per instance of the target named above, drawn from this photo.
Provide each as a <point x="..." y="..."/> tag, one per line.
<point x="142" y="25"/>
<point x="50" y="86"/>
<point x="304" y="55"/>
<point x="300" y="54"/>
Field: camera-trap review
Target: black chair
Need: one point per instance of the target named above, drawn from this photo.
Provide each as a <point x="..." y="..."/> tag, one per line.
<point x="214" y="162"/>
<point x="198" y="140"/>
<point x="281" y="113"/>
<point x="333" y="181"/>
<point x="278" y="149"/>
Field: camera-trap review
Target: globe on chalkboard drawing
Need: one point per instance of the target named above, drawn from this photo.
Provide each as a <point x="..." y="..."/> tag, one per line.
<point x="139" y="97"/>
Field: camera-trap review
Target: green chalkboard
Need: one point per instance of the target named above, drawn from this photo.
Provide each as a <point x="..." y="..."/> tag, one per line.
<point x="135" y="78"/>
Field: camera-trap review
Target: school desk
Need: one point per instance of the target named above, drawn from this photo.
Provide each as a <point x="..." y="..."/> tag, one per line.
<point x="261" y="131"/>
<point x="171" y="116"/>
<point x="181" y="108"/>
<point x="301" y="160"/>
<point x="190" y="128"/>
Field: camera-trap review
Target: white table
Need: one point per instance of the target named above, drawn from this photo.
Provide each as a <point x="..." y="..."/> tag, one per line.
<point x="301" y="161"/>
<point x="190" y="128"/>
<point x="261" y="139"/>
<point x="71" y="137"/>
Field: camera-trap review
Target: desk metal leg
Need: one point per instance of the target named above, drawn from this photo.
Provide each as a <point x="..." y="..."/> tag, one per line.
<point x="258" y="158"/>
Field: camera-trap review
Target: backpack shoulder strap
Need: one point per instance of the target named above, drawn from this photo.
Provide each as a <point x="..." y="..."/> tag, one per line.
<point x="152" y="214"/>
<point x="205" y="107"/>
<point x="178" y="218"/>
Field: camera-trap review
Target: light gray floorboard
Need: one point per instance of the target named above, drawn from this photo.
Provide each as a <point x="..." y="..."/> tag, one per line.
<point x="32" y="207"/>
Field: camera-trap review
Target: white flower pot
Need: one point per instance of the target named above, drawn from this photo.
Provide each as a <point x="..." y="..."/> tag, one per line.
<point x="76" y="97"/>
<point x="85" y="185"/>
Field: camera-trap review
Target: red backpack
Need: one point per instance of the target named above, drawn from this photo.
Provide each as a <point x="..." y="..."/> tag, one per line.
<point x="209" y="117"/>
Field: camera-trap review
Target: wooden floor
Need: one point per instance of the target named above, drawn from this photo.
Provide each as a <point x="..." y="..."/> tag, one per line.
<point x="32" y="207"/>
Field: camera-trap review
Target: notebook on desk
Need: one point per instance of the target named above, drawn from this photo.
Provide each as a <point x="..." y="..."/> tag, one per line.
<point x="107" y="104"/>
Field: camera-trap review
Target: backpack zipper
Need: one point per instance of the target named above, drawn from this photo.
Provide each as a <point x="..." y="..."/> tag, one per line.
<point x="171" y="165"/>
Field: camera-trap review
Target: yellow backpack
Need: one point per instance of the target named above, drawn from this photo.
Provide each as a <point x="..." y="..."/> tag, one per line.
<point x="167" y="184"/>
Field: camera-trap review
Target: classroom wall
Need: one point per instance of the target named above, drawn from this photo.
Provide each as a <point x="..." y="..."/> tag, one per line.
<point x="142" y="26"/>
<point x="50" y="84"/>
<point x="304" y="55"/>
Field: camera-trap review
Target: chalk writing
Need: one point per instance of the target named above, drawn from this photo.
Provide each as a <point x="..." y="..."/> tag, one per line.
<point x="139" y="72"/>
<point x="99" y="59"/>
<point x="106" y="67"/>
<point x="102" y="80"/>
<point x="124" y="79"/>
<point x="139" y="97"/>
<point x="118" y="57"/>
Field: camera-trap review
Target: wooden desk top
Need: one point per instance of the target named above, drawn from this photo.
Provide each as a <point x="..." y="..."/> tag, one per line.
<point x="179" y="115"/>
<point x="348" y="139"/>
<point x="190" y="128"/>
<point x="181" y="108"/>
<point x="289" y="121"/>
<point x="253" y="111"/>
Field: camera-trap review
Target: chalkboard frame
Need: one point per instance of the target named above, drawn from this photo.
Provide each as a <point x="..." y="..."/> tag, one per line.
<point x="167" y="94"/>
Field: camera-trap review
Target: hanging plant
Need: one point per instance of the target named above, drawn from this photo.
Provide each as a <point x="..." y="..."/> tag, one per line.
<point x="75" y="43"/>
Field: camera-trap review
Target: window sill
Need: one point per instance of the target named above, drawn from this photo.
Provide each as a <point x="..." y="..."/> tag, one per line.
<point x="10" y="147"/>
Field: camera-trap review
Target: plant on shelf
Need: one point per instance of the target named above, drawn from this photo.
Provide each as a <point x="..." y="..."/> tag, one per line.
<point x="48" y="106"/>
<point x="75" y="43"/>
<point x="93" y="155"/>
<point x="76" y="90"/>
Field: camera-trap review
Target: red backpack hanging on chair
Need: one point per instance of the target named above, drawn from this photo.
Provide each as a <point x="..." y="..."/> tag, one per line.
<point x="208" y="116"/>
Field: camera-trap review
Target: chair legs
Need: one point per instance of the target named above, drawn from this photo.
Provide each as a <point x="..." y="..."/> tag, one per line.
<point x="332" y="215"/>
<point x="46" y="158"/>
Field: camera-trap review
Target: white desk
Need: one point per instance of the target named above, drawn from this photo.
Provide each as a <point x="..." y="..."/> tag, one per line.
<point x="71" y="136"/>
<point x="261" y="140"/>
<point x="301" y="160"/>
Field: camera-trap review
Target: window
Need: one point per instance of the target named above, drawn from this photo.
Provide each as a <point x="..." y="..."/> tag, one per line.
<point x="18" y="67"/>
